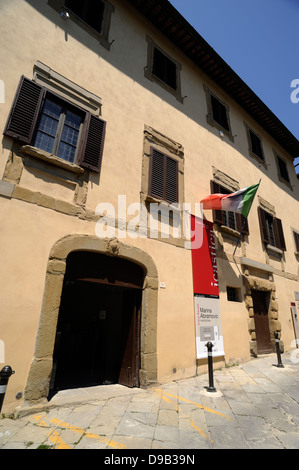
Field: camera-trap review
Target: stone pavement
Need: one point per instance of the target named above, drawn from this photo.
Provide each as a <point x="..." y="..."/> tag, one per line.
<point x="255" y="406"/>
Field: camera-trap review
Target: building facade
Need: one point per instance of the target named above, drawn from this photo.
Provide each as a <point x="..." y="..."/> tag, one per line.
<point x="117" y="119"/>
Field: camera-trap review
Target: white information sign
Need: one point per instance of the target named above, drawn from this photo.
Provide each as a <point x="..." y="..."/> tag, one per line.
<point x="208" y="325"/>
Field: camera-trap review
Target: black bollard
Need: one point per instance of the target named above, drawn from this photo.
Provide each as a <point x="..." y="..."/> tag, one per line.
<point x="5" y="373"/>
<point x="211" y="387"/>
<point x="279" y="363"/>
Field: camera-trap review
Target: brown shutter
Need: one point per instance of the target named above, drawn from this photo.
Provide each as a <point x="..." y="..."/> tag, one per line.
<point x="163" y="180"/>
<point x="239" y="223"/>
<point x="217" y="215"/>
<point x="156" y="182"/>
<point x="24" y="112"/>
<point x="263" y="226"/>
<point x="171" y="189"/>
<point x="93" y="143"/>
<point x="278" y="234"/>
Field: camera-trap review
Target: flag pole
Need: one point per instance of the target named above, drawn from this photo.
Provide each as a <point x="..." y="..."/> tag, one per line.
<point x="243" y="228"/>
<point x="240" y="236"/>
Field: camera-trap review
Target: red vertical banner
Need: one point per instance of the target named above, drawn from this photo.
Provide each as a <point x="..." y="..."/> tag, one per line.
<point x="205" y="288"/>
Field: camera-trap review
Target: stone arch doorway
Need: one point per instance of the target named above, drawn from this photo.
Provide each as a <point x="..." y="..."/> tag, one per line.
<point x="41" y="370"/>
<point x="98" y="329"/>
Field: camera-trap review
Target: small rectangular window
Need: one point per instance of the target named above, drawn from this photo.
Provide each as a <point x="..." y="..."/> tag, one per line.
<point x="90" y="11"/>
<point x="165" y="69"/>
<point x="283" y="170"/>
<point x="233" y="294"/>
<point x="256" y="145"/>
<point x="219" y="113"/>
<point x="296" y="236"/>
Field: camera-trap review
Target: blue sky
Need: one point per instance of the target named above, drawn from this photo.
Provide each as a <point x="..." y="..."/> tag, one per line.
<point x="259" y="40"/>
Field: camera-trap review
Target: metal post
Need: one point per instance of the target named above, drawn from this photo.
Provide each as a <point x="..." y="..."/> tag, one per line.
<point x="279" y="363"/>
<point x="5" y="373"/>
<point x="211" y="387"/>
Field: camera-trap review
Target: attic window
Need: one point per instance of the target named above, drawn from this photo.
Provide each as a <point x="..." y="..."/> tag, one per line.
<point x="90" y="11"/>
<point x="219" y="113"/>
<point x="256" y="145"/>
<point x="163" y="69"/>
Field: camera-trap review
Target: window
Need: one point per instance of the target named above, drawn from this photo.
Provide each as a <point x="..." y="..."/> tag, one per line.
<point x="282" y="169"/>
<point x="229" y="219"/>
<point x="218" y="114"/>
<point x="233" y="294"/>
<point x="162" y="69"/>
<point x="42" y="119"/>
<point x="90" y="11"/>
<point x="271" y="230"/>
<point x="296" y="237"/>
<point x="93" y="16"/>
<point x="256" y="145"/>
<point x="163" y="182"/>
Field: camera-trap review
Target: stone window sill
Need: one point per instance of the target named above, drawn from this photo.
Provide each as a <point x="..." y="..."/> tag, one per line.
<point x="49" y="158"/>
<point x="274" y="250"/>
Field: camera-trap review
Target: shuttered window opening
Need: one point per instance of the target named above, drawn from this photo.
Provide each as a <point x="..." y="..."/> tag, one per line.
<point x="44" y="120"/>
<point x="165" y="69"/>
<point x="256" y="145"/>
<point x="283" y="170"/>
<point x="296" y="236"/>
<point x="271" y="230"/>
<point x="229" y="219"/>
<point x="219" y="113"/>
<point x="90" y="11"/>
<point x="163" y="182"/>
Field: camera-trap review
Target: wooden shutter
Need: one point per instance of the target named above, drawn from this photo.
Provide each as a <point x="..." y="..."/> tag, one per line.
<point x="240" y="219"/>
<point x="24" y="112"/>
<point x="156" y="187"/>
<point x="163" y="177"/>
<point x="278" y="234"/>
<point x="217" y="215"/>
<point x="92" y="143"/>
<point x="171" y="187"/>
<point x="263" y="226"/>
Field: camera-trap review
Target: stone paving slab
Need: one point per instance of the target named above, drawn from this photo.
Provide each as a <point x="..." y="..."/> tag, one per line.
<point x="255" y="406"/>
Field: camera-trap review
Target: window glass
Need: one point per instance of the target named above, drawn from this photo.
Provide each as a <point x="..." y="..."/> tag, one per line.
<point x="58" y="130"/>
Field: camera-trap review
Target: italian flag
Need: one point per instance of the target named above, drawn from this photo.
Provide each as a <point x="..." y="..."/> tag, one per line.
<point x="240" y="201"/>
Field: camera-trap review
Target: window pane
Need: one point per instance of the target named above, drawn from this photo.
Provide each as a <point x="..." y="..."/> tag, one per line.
<point x="67" y="152"/>
<point x="44" y="142"/>
<point x="47" y="126"/>
<point x="69" y="135"/>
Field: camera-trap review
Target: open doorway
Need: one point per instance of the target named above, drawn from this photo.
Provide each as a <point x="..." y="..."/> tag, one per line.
<point x="261" y="301"/>
<point x="98" y="330"/>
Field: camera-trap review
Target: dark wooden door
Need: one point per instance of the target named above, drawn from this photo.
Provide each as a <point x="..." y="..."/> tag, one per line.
<point x="261" y="320"/>
<point x="130" y="364"/>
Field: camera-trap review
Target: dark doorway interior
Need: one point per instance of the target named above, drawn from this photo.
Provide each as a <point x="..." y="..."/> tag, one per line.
<point x="261" y="319"/>
<point x="98" y="330"/>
